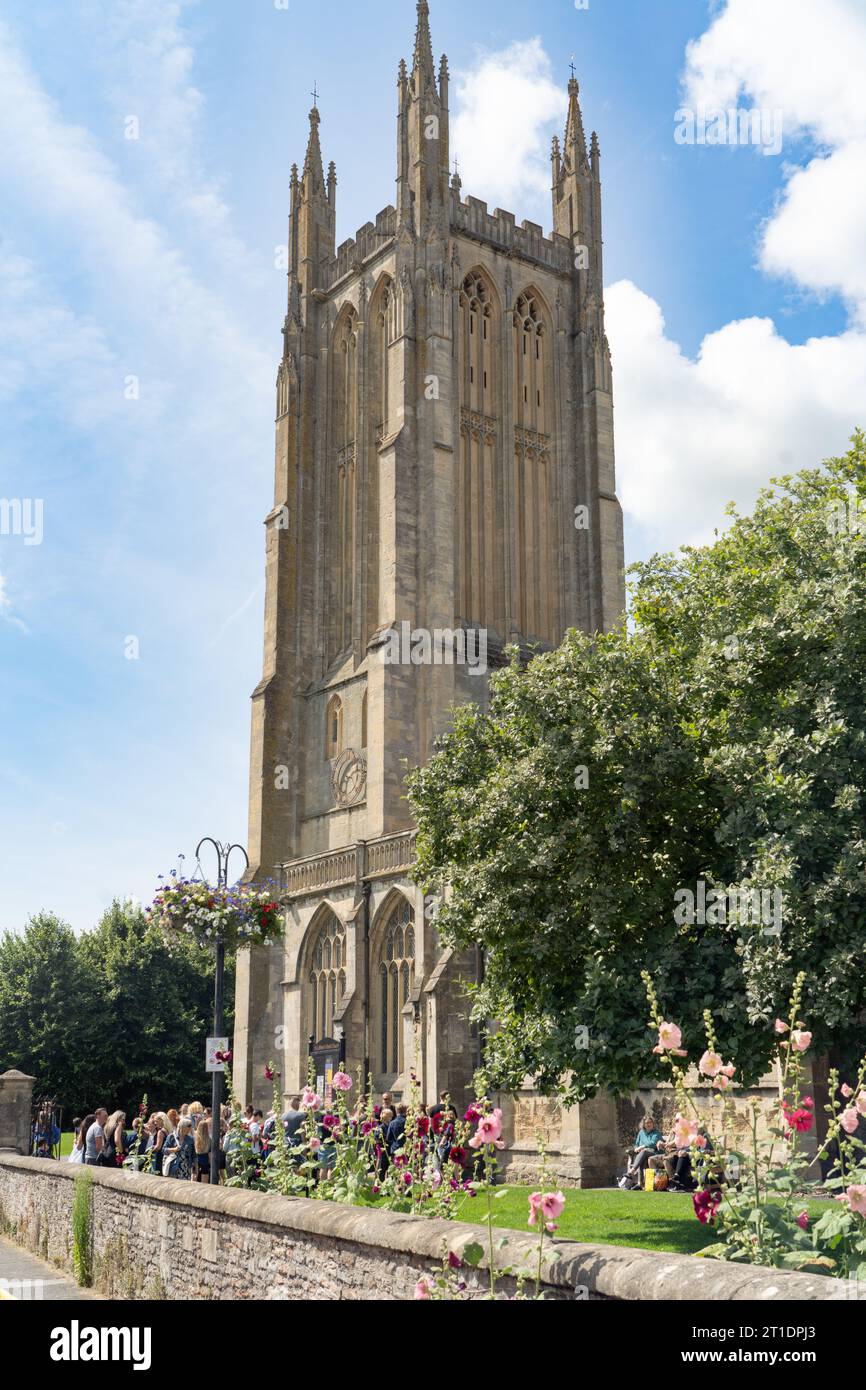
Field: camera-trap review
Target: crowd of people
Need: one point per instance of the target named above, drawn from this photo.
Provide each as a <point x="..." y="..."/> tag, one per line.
<point x="177" y="1143"/>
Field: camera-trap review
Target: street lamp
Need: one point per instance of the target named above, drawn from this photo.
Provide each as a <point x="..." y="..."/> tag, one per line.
<point x="223" y="853"/>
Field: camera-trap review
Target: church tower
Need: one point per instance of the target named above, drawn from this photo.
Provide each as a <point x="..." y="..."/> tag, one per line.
<point x="444" y="488"/>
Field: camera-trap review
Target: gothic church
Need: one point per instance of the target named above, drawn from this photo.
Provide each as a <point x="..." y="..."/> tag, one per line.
<point x="444" y="461"/>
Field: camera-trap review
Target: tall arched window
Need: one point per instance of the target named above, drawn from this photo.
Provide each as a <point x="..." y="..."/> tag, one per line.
<point x="479" y="495"/>
<point x="533" y="472"/>
<point x="334" y="728"/>
<point x="383" y="323"/>
<point x="327" y="983"/>
<point x="396" y="975"/>
<point x="342" y="503"/>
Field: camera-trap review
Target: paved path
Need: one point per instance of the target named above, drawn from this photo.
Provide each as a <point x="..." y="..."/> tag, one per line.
<point x="25" y="1277"/>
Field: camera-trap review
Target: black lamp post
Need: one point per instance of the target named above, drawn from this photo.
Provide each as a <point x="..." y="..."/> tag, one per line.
<point x="223" y="853"/>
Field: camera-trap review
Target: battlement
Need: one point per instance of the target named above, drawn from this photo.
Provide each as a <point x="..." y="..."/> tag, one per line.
<point x="367" y="241"/>
<point x="500" y="229"/>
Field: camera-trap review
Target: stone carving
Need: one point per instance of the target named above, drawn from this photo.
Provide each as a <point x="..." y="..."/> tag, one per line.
<point x="349" y="778"/>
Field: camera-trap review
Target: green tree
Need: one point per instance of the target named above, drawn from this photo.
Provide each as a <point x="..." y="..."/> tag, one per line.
<point x="48" y="1008"/>
<point x="720" y="738"/>
<point x="156" y="1008"/>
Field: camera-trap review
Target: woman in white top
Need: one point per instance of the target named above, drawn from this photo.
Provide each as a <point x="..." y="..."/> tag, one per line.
<point x="77" y="1155"/>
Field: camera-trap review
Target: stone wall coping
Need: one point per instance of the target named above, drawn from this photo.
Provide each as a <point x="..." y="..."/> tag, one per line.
<point x="606" y="1271"/>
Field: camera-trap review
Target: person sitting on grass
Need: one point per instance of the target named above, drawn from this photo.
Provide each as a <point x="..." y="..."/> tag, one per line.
<point x="649" y="1141"/>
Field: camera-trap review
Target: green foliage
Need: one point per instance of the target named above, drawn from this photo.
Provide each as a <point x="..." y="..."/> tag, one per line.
<point x="722" y="737"/>
<point x="101" y="1018"/>
<point x="82" y="1228"/>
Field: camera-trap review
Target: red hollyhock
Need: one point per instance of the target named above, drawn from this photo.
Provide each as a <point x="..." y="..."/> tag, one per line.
<point x="706" y="1205"/>
<point x="423" y="1124"/>
<point x="458" y="1155"/>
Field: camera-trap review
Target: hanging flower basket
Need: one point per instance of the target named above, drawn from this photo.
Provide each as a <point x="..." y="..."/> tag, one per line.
<point x="238" y="916"/>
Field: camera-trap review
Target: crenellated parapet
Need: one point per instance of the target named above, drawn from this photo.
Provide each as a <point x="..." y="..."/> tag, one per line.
<point x="499" y="229"/>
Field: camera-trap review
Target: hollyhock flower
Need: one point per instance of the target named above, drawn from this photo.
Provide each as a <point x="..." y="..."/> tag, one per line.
<point x="309" y="1100"/>
<point x="799" y="1120"/>
<point x="407" y="1179"/>
<point x="670" y="1036"/>
<point x="490" y="1127"/>
<point x="722" y="1082"/>
<point x="846" y="1090"/>
<point x="423" y="1124"/>
<point x="375" y="1191"/>
<point x="685" y="1132"/>
<point x="803" y="1220"/>
<point x="706" y="1205"/>
<point x="315" y="1145"/>
<point x="780" y="1027"/>
<point x="367" y="1127"/>
<point x="437" y="1122"/>
<point x="849" y="1120"/>
<point x="860" y="1102"/>
<point x="341" y="1081"/>
<point x="457" y="1155"/>
<point x="534" y="1207"/>
<point x="800" y="1040"/>
<point x="269" y="1075"/>
<point x="454" y="1261"/>
<point x="331" y="1121"/>
<point x="553" y="1205"/>
<point x="710" y="1064"/>
<point x="855" y="1195"/>
<point x="424" y="1289"/>
<point x="472" y="1114"/>
<point x="729" y="1070"/>
<point x="436" y="1180"/>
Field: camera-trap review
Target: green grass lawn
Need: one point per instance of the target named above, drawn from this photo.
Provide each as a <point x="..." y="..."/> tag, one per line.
<point x="66" y="1144"/>
<point x="647" y="1220"/>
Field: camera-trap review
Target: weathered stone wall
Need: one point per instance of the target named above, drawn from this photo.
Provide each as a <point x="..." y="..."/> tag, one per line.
<point x="156" y="1238"/>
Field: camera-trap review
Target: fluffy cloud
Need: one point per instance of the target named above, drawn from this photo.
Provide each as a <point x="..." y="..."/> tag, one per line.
<point x="693" y="435"/>
<point x="807" y="61"/>
<point x="505" y="103"/>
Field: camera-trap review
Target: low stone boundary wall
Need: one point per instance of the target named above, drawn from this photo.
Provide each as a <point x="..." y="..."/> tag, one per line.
<point x="158" y="1238"/>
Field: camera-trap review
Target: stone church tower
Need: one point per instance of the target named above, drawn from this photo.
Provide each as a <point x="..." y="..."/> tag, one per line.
<point x="444" y="467"/>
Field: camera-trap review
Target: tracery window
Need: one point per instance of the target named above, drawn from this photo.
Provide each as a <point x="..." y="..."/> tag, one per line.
<point x="327" y="983"/>
<point x="396" y="976"/>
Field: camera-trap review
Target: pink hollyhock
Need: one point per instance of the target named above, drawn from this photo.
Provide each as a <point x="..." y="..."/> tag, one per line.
<point x="315" y="1145"/>
<point x="407" y="1179"/>
<point x="800" y="1040"/>
<point x="855" y="1195"/>
<point x="535" y="1201"/>
<point x="424" y="1289"/>
<point x="341" y="1081"/>
<point x="710" y="1064"/>
<point x="729" y="1070"/>
<point x="553" y="1205"/>
<point x="780" y="1027"/>
<point x="706" y="1205"/>
<point x="490" y="1127"/>
<point x="849" y="1120"/>
<point x="860" y="1102"/>
<point x="803" y="1221"/>
<point x="309" y="1100"/>
<point x="670" y="1036"/>
<point x="846" y="1090"/>
<point x="685" y="1132"/>
<point x="722" y="1082"/>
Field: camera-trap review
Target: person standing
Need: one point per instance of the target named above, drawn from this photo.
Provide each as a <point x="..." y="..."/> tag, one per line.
<point x="95" y="1138"/>
<point x="202" y="1149"/>
<point x="77" y="1155"/>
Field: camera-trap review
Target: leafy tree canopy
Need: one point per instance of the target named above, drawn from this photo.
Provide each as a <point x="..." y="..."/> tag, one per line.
<point x="106" y="1017"/>
<point x="719" y="738"/>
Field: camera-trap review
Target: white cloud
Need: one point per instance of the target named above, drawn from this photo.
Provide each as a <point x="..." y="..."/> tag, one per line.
<point x="808" y="61"/>
<point x="505" y="103"/>
<point x="692" y="436"/>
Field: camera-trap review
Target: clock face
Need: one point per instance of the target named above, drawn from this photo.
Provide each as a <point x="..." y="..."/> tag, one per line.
<point x="349" y="778"/>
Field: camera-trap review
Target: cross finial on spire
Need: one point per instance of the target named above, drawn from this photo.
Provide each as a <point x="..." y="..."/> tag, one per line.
<point x="315" y="94"/>
<point x="573" y="68"/>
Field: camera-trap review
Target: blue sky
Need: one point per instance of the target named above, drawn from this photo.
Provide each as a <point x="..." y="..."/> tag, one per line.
<point x="140" y="314"/>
